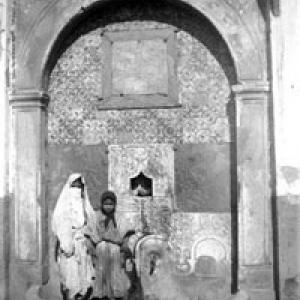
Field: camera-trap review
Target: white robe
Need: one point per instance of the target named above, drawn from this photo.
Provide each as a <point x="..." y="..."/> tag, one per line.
<point x="72" y="218"/>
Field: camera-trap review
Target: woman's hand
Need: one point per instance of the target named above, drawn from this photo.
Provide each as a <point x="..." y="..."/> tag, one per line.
<point x="104" y="239"/>
<point x="68" y="254"/>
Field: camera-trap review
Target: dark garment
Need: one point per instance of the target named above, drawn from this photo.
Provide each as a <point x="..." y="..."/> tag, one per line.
<point x="111" y="280"/>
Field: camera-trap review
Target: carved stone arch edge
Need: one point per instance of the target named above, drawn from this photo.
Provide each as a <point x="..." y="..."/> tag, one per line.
<point x="240" y="43"/>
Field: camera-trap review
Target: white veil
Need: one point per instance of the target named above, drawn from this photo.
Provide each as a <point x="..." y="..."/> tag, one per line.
<point x="69" y="213"/>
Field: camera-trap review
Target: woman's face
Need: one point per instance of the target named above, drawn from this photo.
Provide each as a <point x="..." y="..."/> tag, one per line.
<point x="77" y="187"/>
<point x="108" y="205"/>
<point x="77" y="183"/>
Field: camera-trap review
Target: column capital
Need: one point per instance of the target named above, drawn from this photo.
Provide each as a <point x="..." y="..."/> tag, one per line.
<point x="251" y="90"/>
<point x="28" y="99"/>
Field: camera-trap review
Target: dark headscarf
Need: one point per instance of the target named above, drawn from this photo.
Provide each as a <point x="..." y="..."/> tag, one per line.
<point x="109" y="216"/>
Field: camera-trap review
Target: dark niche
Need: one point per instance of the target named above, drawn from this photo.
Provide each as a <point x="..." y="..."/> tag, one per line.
<point x="141" y="185"/>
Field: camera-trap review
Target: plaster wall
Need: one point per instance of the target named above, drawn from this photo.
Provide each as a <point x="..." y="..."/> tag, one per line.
<point x="285" y="39"/>
<point x="3" y="149"/>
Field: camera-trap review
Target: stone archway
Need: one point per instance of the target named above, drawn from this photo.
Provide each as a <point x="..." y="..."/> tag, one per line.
<point x="29" y="103"/>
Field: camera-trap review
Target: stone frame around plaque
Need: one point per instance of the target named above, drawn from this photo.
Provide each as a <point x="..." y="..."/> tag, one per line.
<point x="109" y="100"/>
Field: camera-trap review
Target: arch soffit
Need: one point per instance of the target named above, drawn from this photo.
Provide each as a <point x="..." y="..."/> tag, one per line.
<point x="246" y="52"/>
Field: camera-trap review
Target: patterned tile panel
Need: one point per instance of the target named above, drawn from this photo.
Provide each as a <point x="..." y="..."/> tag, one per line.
<point x="76" y="87"/>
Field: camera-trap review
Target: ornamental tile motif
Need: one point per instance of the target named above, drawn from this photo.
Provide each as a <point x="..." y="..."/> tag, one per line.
<point x="188" y="229"/>
<point x="76" y="86"/>
<point x="241" y="6"/>
<point x="155" y="161"/>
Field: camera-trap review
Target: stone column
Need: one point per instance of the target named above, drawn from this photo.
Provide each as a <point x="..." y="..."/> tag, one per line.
<point x="255" y="254"/>
<point x="28" y="233"/>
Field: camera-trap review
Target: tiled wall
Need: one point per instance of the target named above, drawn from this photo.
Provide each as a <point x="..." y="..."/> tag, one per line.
<point x="76" y="86"/>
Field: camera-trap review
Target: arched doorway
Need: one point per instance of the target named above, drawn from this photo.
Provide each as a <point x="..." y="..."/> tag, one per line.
<point x="253" y="95"/>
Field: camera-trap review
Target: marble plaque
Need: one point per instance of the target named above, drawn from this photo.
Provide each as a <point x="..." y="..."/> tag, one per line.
<point x="156" y="161"/>
<point x="139" y="67"/>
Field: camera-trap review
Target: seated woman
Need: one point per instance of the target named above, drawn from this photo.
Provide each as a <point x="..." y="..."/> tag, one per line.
<point x="72" y="216"/>
<point x="111" y="281"/>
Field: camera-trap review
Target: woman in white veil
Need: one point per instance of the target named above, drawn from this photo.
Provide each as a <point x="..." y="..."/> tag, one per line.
<point x="74" y="218"/>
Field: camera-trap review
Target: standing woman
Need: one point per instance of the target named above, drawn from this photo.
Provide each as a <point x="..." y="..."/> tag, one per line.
<point x="111" y="281"/>
<point x="73" y="217"/>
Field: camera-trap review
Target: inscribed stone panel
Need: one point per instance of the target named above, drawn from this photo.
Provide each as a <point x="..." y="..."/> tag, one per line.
<point x="156" y="161"/>
<point x="139" y="67"/>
